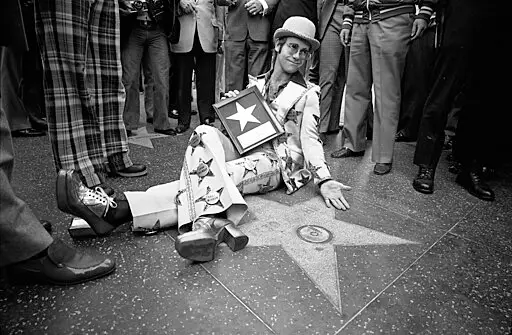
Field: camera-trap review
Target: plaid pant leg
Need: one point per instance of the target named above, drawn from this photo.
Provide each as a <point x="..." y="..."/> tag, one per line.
<point x="73" y="123"/>
<point x="104" y="80"/>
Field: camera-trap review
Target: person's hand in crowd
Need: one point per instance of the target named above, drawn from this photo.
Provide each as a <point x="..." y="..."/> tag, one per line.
<point x="345" y="37"/>
<point x="126" y="8"/>
<point x="418" y="27"/>
<point x="187" y="6"/>
<point x="331" y="191"/>
<point x="230" y="94"/>
<point x="254" y="7"/>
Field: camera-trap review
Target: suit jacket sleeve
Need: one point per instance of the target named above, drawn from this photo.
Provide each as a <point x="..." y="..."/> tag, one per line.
<point x="311" y="145"/>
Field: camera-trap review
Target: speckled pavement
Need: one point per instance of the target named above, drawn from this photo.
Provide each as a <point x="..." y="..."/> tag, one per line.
<point x="397" y="262"/>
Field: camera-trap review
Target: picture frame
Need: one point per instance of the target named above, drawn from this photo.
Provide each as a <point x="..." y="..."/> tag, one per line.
<point x="248" y="119"/>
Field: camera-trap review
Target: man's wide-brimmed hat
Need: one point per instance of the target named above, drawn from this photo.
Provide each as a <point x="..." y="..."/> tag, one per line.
<point x="300" y="27"/>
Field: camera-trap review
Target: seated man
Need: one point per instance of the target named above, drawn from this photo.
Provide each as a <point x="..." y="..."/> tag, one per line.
<point x="207" y="202"/>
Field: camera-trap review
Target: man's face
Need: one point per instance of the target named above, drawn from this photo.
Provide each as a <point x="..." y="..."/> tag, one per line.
<point x="294" y="53"/>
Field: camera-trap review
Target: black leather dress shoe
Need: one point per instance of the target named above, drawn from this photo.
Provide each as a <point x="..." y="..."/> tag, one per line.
<point x="180" y="129"/>
<point x="62" y="265"/>
<point x="473" y="183"/>
<point x="27" y="133"/>
<point x="136" y="170"/>
<point x="346" y="152"/>
<point x="169" y="132"/>
<point x="401" y="137"/>
<point x="424" y="181"/>
<point x="382" y="168"/>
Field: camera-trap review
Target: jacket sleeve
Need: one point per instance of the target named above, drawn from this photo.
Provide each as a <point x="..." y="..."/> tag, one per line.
<point x="348" y="14"/>
<point x="426" y="9"/>
<point x="223" y="2"/>
<point x="311" y="145"/>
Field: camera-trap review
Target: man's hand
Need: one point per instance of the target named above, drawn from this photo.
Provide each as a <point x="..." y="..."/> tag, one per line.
<point x="186" y="6"/>
<point x="418" y="27"/>
<point x="254" y="7"/>
<point x="345" y="37"/>
<point x="125" y="8"/>
<point x="331" y="192"/>
<point x="230" y="94"/>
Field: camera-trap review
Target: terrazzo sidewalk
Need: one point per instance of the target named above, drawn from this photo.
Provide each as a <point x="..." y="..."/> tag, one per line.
<point x="398" y="262"/>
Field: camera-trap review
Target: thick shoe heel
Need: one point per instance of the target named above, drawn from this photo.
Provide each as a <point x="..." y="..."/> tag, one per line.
<point x="61" y="191"/>
<point x="234" y="238"/>
<point x="197" y="246"/>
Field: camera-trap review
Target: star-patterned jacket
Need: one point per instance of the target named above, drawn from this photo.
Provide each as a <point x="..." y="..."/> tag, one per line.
<point x="296" y="107"/>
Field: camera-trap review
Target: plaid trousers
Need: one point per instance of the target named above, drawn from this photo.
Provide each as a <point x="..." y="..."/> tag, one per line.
<point x="84" y="95"/>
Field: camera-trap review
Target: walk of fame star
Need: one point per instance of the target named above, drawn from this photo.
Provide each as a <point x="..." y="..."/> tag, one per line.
<point x="211" y="198"/>
<point x="244" y="115"/>
<point x="203" y="170"/>
<point x="274" y="224"/>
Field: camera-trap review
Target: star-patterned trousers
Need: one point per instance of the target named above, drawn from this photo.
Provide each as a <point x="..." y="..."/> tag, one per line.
<point x="213" y="180"/>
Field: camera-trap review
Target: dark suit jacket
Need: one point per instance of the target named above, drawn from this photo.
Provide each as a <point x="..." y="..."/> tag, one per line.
<point x="12" y="30"/>
<point x="326" y="12"/>
<point x="287" y="8"/>
<point x="240" y="24"/>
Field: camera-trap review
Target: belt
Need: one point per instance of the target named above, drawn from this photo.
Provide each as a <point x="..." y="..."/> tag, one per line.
<point x="146" y="24"/>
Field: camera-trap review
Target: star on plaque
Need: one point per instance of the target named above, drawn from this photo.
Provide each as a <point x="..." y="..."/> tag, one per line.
<point x="243" y="115"/>
<point x="203" y="170"/>
<point x="211" y="198"/>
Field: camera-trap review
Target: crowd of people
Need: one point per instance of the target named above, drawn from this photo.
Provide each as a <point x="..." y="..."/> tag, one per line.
<point x="408" y="70"/>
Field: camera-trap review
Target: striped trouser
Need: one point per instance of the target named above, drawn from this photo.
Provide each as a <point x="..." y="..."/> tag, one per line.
<point x="84" y="95"/>
<point x="213" y="180"/>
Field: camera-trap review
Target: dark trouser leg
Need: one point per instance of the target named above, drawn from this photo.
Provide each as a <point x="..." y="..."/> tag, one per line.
<point x="416" y="82"/>
<point x="183" y="72"/>
<point x="22" y="236"/>
<point x="450" y="70"/>
<point x="205" y="72"/>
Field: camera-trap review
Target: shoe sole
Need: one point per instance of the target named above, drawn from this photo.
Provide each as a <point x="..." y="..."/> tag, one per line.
<point x="100" y="226"/>
<point x="422" y="190"/>
<point x="348" y="155"/>
<point x="132" y="175"/>
<point x="198" y="247"/>
<point x="381" y="173"/>
<point x="19" y="277"/>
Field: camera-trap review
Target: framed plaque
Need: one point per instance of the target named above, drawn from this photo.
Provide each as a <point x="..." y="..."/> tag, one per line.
<point x="248" y="119"/>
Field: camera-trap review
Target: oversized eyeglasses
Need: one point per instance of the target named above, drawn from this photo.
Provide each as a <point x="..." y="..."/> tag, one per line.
<point x="294" y="47"/>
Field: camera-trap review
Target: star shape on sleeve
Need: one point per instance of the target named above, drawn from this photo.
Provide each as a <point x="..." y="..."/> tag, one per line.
<point x="196" y="140"/>
<point x="211" y="198"/>
<point x="203" y="170"/>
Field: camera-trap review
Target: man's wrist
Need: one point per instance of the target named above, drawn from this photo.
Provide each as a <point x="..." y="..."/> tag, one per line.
<point x="321" y="182"/>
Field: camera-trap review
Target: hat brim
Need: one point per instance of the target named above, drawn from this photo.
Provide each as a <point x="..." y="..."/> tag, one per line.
<point x="282" y="32"/>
